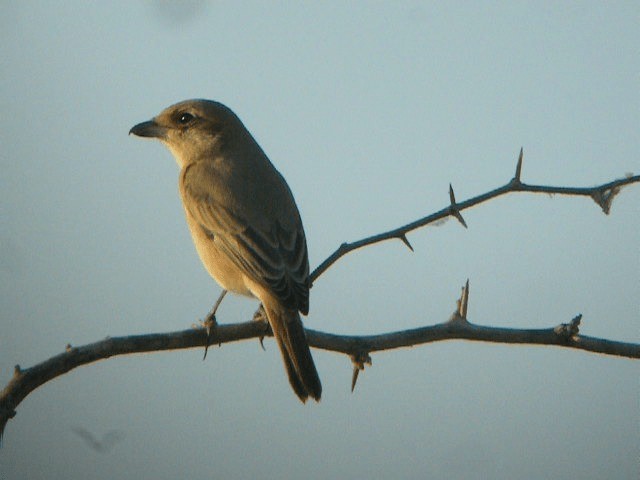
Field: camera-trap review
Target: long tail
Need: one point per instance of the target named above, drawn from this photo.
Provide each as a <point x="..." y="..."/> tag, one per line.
<point x="289" y="333"/>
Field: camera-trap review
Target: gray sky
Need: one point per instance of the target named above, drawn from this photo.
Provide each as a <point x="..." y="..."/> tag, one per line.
<point x="369" y="110"/>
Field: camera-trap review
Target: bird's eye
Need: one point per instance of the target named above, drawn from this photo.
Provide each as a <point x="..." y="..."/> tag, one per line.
<point x="185" y="118"/>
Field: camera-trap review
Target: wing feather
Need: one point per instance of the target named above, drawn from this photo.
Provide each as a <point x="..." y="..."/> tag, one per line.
<point x="272" y="255"/>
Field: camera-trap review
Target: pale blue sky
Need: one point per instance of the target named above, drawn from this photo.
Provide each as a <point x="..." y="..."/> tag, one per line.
<point x="369" y="109"/>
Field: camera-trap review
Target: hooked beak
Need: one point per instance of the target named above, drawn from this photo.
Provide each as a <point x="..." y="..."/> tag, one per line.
<point x="149" y="129"/>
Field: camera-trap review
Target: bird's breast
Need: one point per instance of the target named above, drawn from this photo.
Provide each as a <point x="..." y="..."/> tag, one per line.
<point x="219" y="266"/>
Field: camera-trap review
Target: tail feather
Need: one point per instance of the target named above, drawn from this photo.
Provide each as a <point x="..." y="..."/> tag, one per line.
<point x="289" y="333"/>
<point x="294" y="379"/>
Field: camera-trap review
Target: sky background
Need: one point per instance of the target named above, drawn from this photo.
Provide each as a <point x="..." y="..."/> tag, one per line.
<point x="369" y="110"/>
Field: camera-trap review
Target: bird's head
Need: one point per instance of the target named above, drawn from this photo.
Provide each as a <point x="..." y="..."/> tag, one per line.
<point x="190" y="129"/>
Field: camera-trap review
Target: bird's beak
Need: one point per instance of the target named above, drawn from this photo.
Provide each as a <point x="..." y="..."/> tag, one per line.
<point x="149" y="129"/>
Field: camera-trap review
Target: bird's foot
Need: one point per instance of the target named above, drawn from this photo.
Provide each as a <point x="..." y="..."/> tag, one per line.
<point x="261" y="316"/>
<point x="209" y="324"/>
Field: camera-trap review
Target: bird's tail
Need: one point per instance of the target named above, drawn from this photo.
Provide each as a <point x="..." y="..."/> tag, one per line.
<point x="289" y="333"/>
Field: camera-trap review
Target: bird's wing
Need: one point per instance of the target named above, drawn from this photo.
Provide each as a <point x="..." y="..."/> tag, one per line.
<point x="272" y="253"/>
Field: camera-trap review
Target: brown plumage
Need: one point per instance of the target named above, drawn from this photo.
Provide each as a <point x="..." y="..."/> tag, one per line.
<point x="244" y="222"/>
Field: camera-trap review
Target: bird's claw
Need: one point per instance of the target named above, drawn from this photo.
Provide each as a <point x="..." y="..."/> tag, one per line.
<point x="260" y="316"/>
<point x="209" y="324"/>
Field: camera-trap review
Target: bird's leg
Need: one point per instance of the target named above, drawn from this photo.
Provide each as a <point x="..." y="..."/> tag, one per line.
<point x="260" y="316"/>
<point x="211" y="322"/>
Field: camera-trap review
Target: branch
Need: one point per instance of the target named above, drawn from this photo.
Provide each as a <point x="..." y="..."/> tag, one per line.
<point x="358" y="347"/>
<point x="567" y="335"/>
<point x="602" y="194"/>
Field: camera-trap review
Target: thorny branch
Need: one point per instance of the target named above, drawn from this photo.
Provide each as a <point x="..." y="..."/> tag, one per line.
<point x="358" y="348"/>
<point x="601" y="194"/>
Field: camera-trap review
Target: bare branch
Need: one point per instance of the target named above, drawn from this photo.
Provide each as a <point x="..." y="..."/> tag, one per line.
<point x="601" y="194"/>
<point x="357" y="347"/>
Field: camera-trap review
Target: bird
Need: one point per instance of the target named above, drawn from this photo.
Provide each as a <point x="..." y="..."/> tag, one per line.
<point x="244" y="222"/>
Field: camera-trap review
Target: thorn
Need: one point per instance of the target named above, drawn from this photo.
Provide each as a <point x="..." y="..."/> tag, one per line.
<point x="605" y="198"/>
<point x="261" y="339"/>
<point x="571" y="329"/>
<point x="68" y="347"/>
<point x="597" y="197"/>
<point x="464" y="300"/>
<point x="608" y="195"/>
<point x="516" y="179"/>
<point x="575" y="321"/>
<point x="458" y="216"/>
<point x="453" y="208"/>
<point x="17" y="370"/>
<point x="462" y="304"/>
<point x="359" y="360"/>
<point x="405" y="240"/>
<point x="354" y="378"/>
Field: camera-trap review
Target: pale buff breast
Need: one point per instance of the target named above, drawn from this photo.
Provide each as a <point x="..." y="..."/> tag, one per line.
<point x="216" y="262"/>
